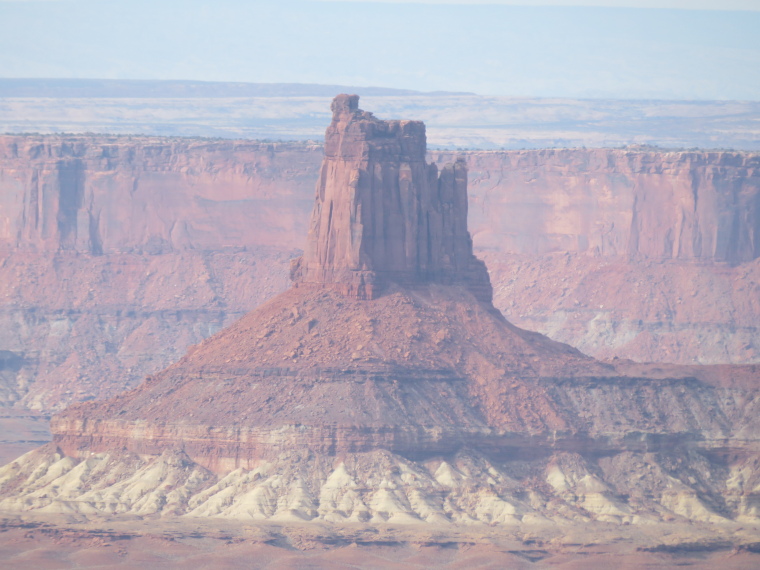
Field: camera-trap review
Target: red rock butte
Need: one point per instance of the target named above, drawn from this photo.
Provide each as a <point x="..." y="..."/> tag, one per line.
<point x="390" y="314"/>
<point x="383" y="215"/>
<point x="385" y="387"/>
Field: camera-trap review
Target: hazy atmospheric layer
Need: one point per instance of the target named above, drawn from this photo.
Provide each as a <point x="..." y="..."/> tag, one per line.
<point x="297" y="112"/>
<point x="539" y="51"/>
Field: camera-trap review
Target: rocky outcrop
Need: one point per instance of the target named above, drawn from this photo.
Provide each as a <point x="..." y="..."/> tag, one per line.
<point x="151" y="195"/>
<point x="377" y="487"/>
<point x="633" y="203"/>
<point x="419" y="404"/>
<point x="195" y="233"/>
<point x="382" y="214"/>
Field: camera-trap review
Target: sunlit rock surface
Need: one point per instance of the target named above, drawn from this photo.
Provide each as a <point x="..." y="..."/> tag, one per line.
<point x="417" y="404"/>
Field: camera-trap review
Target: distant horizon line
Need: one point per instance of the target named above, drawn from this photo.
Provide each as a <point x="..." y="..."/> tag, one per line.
<point x="7" y="90"/>
<point x="431" y="147"/>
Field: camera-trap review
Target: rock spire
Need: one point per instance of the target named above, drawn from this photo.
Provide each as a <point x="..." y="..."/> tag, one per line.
<point x="424" y="405"/>
<point x="382" y="214"/>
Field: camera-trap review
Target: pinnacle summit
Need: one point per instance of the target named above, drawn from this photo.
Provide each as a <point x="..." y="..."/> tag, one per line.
<point x="382" y="214"/>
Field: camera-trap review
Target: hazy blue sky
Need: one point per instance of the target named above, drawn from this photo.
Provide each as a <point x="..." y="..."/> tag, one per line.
<point x="490" y="48"/>
<point x="677" y="4"/>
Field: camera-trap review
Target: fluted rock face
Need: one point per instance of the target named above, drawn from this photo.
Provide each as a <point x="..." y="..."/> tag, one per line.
<point x="117" y="253"/>
<point x="153" y="195"/>
<point x="382" y="214"/>
<point x="631" y="203"/>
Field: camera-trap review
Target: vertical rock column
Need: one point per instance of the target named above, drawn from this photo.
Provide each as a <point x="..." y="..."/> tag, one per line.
<point x="382" y="214"/>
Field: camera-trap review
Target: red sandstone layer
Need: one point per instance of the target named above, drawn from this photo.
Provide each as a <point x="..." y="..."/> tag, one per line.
<point x="400" y="404"/>
<point x="173" y="221"/>
<point x="383" y="215"/>
<point x="419" y="374"/>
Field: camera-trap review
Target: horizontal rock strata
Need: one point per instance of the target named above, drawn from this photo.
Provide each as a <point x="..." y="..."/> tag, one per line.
<point x="381" y="487"/>
<point x="419" y="375"/>
<point x="386" y="388"/>
<point x="196" y="233"/>
<point x="631" y="203"/>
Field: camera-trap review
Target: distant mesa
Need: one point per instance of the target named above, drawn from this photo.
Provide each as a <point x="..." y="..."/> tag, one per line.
<point x="145" y="88"/>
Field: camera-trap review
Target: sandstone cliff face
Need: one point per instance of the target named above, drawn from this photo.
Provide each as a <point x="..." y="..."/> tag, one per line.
<point x="149" y="246"/>
<point x="416" y="403"/>
<point x="382" y="214"/>
<point x="152" y="195"/>
<point x="653" y="205"/>
<point x="193" y="234"/>
<point x="632" y="253"/>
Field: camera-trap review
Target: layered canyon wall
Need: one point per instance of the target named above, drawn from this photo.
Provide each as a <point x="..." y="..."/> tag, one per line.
<point x="636" y="253"/>
<point x="119" y="252"/>
<point x="153" y="195"/>
<point x="382" y="388"/>
<point x="633" y="203"/>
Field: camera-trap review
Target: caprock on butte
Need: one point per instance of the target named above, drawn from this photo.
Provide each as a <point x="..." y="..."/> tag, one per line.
<point x="385" y="387"/>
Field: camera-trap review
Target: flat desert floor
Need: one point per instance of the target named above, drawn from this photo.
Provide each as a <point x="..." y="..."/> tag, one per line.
<point x="54" y="542"/>
<point x="453" y="121"/>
